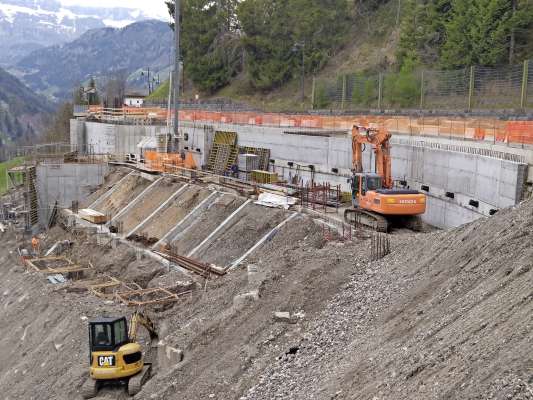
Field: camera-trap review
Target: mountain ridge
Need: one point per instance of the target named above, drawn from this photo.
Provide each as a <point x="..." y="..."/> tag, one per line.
<point x="55" y="71"/>
<point x="28" y="25"/>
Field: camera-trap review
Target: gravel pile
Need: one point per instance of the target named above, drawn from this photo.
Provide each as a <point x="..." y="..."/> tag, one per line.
<point x="445" y="316"/>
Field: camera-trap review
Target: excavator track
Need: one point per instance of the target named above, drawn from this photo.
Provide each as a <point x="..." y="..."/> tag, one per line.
<point x="90" y="388"/>
<point x="136" y="382"/>
<point x="367" y="218"/>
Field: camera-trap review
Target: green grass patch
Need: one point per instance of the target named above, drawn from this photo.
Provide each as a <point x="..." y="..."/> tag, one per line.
<point x="3" y="171"/>
<point x="161" y="93"/>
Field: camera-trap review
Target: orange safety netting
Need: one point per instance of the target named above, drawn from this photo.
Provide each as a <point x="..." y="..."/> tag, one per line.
<point x="472" y="128"/>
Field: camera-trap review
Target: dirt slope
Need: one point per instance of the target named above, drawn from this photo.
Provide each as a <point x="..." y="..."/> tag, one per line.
<point x="448" y="317"/>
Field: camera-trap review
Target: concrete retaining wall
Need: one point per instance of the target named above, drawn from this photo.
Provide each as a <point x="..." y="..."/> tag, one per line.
<point x="493" y="182"/>
<point x="65" y="183"/>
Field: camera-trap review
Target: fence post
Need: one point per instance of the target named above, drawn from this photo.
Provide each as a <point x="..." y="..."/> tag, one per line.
<point x="422" y="90"/>
<point x="343" y="92"/>
<point x="525" y="78"/>
<point x="380" y="90"/>
<point x="471" y="88"/>
<point x="313" y="93"/>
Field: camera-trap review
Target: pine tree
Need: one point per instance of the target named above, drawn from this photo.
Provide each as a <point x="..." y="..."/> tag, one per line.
<point x="276" y="33"/>
<point x="459" y="46"/>
<point x="210" y="42"/>
<point x="482" y="32"/>
<point x="423" y="31"/>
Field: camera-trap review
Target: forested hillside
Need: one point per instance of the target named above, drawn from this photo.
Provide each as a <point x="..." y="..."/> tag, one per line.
<point x="21" y="110"/>
<point x="458" y="33"/>
<point x="261" y="42"/>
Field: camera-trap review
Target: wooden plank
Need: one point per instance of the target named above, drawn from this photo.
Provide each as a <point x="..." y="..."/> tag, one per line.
<point x="65" y="270"/>
<point x="167" y="297"/>
<point x="92" y="216"/>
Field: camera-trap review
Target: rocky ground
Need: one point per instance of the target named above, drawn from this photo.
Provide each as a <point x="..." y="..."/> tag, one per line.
<point x="447" y="315"/>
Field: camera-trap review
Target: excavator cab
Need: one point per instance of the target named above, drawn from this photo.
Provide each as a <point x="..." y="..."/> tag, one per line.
<point x="364" y="182"/>
<point x="107" y="334"/>
<point x="115" y="354"/>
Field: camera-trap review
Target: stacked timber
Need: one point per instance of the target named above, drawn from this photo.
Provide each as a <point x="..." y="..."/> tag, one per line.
<point x="92" y="216"/>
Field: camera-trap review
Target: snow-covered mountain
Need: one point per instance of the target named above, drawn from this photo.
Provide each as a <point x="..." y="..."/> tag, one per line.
<point x="27" y="25"/>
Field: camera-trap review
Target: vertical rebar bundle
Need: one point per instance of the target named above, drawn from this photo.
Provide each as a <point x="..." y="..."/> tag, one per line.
<point x="380" y="246"/>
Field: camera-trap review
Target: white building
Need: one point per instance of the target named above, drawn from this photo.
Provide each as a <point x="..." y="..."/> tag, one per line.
<point x="134" y="100"/>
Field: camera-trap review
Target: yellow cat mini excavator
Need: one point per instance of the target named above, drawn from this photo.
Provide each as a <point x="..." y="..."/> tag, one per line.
<point x="115" y="354"/>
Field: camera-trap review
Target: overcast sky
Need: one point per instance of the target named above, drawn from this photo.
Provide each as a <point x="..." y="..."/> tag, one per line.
<point x="154" y="8"/>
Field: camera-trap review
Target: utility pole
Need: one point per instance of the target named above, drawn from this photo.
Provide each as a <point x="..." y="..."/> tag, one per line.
<point x="398" y="12"/>
<point x="176" y="88"/>
<point x="150" y="87"/>
<point x="512" y="43"/>
<point x="303" y="72"/>
<point x="301" y="46"/>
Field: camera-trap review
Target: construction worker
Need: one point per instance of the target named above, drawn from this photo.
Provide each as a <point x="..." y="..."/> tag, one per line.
<point x="235" y="171"/>
<point x="36" y="245"/>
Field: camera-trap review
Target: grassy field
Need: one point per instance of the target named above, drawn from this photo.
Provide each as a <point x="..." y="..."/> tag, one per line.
<point x="3" y="171"/>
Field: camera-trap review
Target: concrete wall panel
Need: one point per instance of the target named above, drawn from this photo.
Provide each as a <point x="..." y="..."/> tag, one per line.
<point x="65" y="183"/>
<point x="494" y="182"/>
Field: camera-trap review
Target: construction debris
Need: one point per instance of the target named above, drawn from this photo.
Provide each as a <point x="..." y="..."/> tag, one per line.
<point x="56" y="279"/>
<point x="283" y="316"/>
<point x="275" y="201"/>
<point x="203" y="269"/>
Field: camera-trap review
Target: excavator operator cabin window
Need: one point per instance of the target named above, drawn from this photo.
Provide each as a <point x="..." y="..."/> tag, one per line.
<point x="355" y="185"/>
<point x="102" y="335"/>
<point x="373" y="183"/>
<point x="121" y="334"/>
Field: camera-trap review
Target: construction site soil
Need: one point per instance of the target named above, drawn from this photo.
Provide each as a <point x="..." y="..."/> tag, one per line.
<point x="150" y="202"/>
<point x="193" y="231"/>
<point x="110" y="180"/>
<point x="446" y="315"/>
<point x="175" y="211"/>
<point x="123" y="192"/>
<point x="242" y="232"/>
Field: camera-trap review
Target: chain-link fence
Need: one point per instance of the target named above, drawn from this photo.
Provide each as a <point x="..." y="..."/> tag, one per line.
<point x="494" y="88"/>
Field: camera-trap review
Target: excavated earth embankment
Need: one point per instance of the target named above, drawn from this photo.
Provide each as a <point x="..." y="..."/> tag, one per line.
<point x="447" y="315"/>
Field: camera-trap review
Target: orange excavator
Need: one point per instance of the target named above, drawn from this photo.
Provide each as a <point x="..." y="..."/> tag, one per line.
<point x="376" y="203"/>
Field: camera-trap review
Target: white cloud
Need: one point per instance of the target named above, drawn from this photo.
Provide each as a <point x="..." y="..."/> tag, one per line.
<point x="151" y="8"/>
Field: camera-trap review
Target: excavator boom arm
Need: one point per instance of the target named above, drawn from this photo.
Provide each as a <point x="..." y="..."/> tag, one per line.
<point x="137" y="319"/>
<point x="379" y="140"/>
